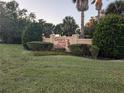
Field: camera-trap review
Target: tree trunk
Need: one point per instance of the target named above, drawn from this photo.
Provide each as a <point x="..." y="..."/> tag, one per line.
<point x="82" y="25"/>
<point x="98" y="15"/>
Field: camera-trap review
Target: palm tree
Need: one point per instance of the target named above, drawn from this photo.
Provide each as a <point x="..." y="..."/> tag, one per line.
<point x="42" y="21"/>
<point x="69" y="26"/>
<point x="116" y="7"/>
<point x="59" y="29"/>
<point x="98" y="7"/>
<point x="82" y="5"/>
<point x="98" y="4"/>
<point x="48" y="29"/>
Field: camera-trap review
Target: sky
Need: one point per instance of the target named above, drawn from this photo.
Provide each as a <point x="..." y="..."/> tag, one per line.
<point x="53" y="11"/>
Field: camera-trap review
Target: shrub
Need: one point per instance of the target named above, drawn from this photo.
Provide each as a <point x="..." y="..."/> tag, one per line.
<point x="94" y="50"/>
<point x="39" y="46"/>
<point x="59" y="49"/>
<point x="32" y="33"/>
<point x="80" y="49"/>
<point x="109" y="36"/>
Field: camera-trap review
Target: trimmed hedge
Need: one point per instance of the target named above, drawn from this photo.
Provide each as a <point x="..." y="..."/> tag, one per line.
<point x="80" y="49"/>
<point x="39" y="46"/>
<point x="109" y="36"/>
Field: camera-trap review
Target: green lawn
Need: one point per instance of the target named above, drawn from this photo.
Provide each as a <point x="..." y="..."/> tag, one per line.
<point x="21" y="72"/>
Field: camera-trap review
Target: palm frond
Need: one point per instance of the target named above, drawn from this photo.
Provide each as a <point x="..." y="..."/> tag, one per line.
<point x="93" y="1"/>
<point x="74" y="1"/>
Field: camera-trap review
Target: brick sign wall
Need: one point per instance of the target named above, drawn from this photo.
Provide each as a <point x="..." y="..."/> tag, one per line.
<point x="59" y="42"/>
<point x="64" y="41"/>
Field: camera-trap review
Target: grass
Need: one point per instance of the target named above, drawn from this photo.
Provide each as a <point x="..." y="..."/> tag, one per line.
<point x="48" y="53"/>
<point x="21" y="72"/>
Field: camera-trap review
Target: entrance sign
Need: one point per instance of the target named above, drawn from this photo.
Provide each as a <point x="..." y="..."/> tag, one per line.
<point x="65" y="41"/>
<point x="59" y="42"/>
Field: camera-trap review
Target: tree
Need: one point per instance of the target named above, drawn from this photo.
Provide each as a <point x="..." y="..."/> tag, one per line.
<point x="12" y="8"/>
<point x="98" y="7"/>
<point x="90" y="27"/>
<point x="13" y="21"/>
<point x="48" y="29"/>
<point x="109" y="36"/>
<point x="116" y="7"/>
<point x="42" y="22"/>
<point x="8" y="23"/>
<point x="59" y="29"/>
<point x="69" y="26"/>
<point x="33" y="32"/>
<point x="82" y="5"/>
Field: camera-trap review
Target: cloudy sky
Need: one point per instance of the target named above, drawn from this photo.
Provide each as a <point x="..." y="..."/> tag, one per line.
<point x="54" y="11"/>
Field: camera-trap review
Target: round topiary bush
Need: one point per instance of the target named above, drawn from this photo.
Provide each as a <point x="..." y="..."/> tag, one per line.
<point x="109" y="36"/>
<point x="32" y="33"/>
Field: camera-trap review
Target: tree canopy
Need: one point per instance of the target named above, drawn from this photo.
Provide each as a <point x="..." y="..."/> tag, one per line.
<point x="116" y="7"/>
<point x="13" y="21"/>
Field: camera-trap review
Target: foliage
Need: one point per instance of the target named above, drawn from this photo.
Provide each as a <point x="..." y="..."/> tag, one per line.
<point x="48" y="29"/>
<point x="33" y="32"/>
<point x="59" y="29"/>
<point x="8" y="16"/>
<point x="69" y="26"/>
<point x="109" y="36"/>
<point x="89" y="32"/>
<point x="89" y="28"/>
<point x="39" y="46"/>
<point x="13" y="21"/>
<point x="116" y="7"/>
<point x="8" y="33"/>
<point x="94" y="50"/>
<point x="80" y="49"/>
<point x="82" y="5"/>
<point x="32" y="17"/>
